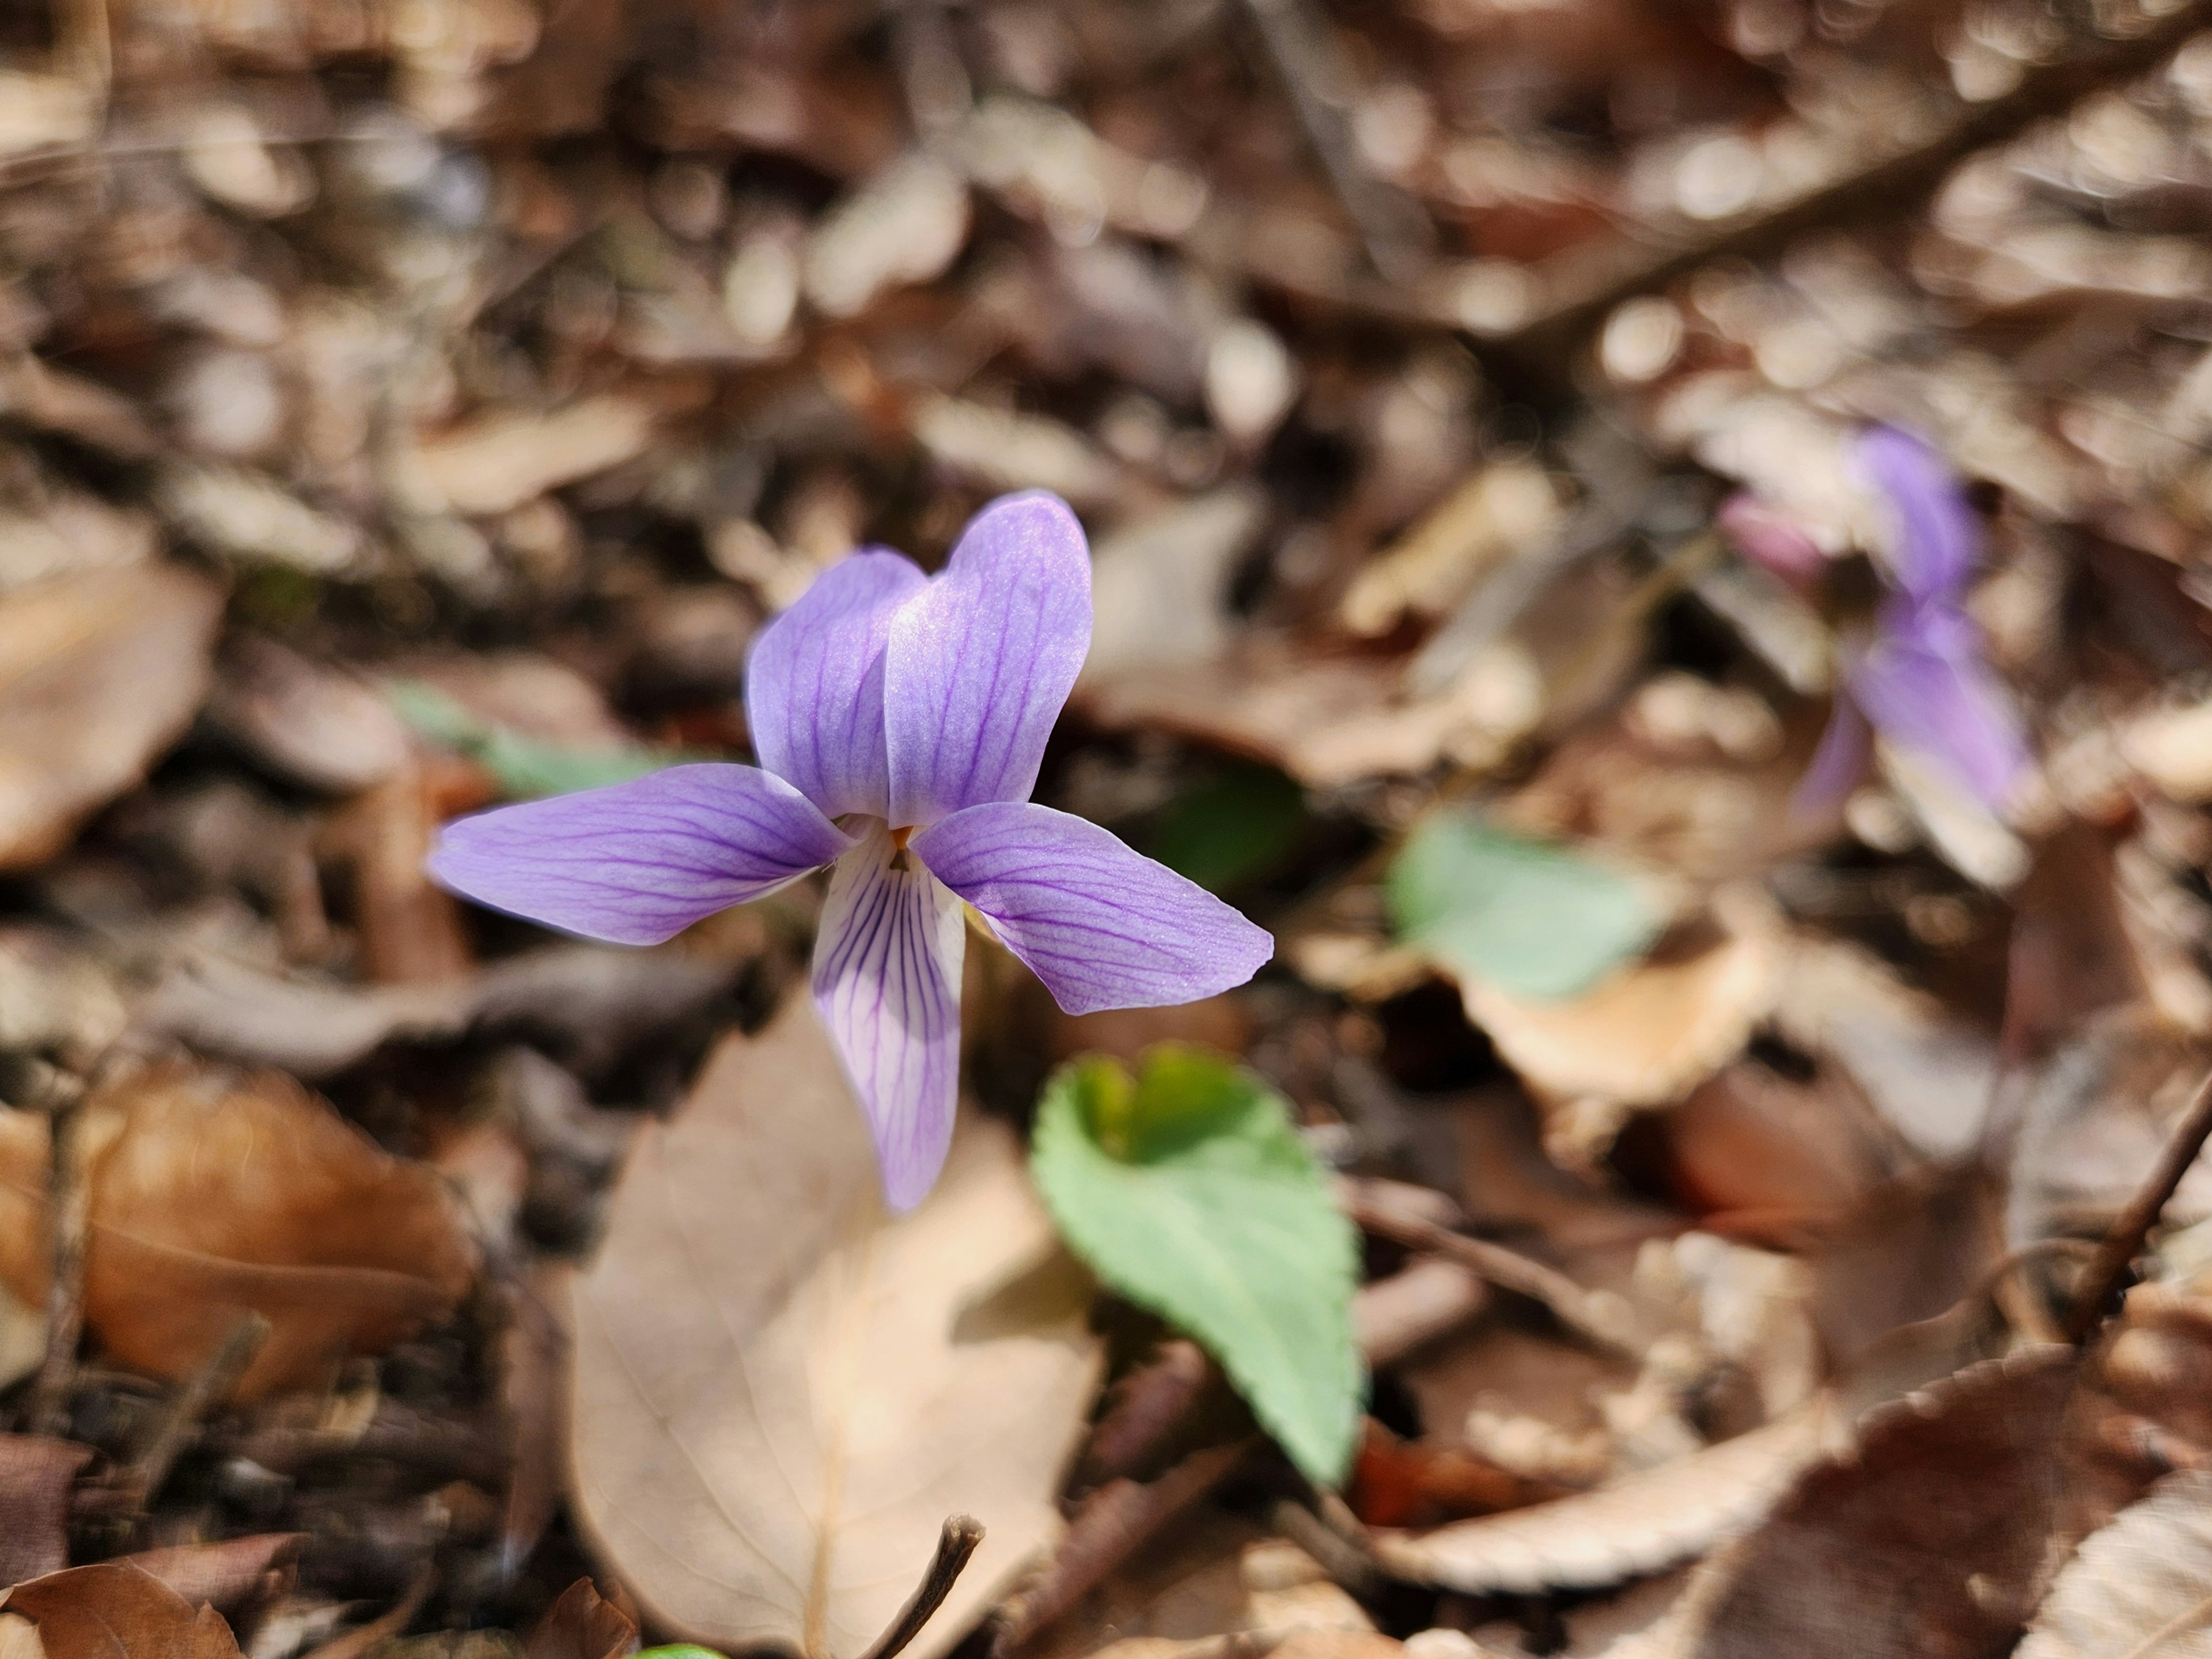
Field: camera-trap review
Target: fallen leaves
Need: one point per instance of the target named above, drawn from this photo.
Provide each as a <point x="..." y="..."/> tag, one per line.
<point x="213" y="1195"/>
<point x="781" y="1394"/>
<point x="115" y="1611"/>
<point x="35" y="1476"/>
<point x="2139" y="1585"/>
<point x="99" y="672"/>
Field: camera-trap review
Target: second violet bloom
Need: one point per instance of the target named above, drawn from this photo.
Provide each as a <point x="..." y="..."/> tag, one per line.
<point x="1921" y="681"/>
<point x="899" y="720"/>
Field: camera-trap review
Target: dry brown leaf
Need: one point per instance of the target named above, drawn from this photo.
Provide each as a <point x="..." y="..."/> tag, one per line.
<point x="99" y="672"/>
<point x="1498" y="510"/>
<point x="1643" y="1036"/>
<point x="213" y="1194"/>
<point x="236" y="1577"/>
<point x="35" y="1476"/>
<point x="2138" y="1586"/>
<point x="781" y="1394"/>
<point x="505" y="459"/>
<point x="582" y="1625"/>
<point x="1927" y="1539"/>
<point x="1641" y="1523"/>
<point x="115" y="1611"/>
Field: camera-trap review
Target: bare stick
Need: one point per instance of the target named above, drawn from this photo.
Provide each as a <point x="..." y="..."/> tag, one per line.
<point x="211" y="1383"/>
<point x="955" y="1545"/>
<point x="1589" y="1317"/>
<point x="69" y="1213"/>
<point x="2105" y="1276"/>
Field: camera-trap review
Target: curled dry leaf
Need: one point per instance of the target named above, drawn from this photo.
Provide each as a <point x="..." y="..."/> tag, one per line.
<point x="582" y="1625"/>
<point x="99" y="672"/>
<point x="1641" y="1523"/>
<point x="213" y="1194"/>
<point x="2138" y="1586"/>
<point x="1929" y="1539"/>
<point x="237" y="1577"/>
<point x="1644" y="1035"/>
<point x="117" y="1611"/>
<point x="780" y="1393"/>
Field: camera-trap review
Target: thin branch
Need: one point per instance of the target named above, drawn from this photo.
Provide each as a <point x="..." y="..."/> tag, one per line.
<point x="210" y="1384"/>
<point x="955" y="1545"/>
<point x="69" y="1215"/>
<point x="2107" y="1276"/>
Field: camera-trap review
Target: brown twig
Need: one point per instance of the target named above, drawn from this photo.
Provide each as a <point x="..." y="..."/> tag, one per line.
<point x="213" y="1382"/>
<point x="1114" y="1523"/>
<point x="955" y="1545"/>
<point x="69" y="1215"/>
<point x="2107" y="1276"/>
<point x="1581" y="1312"/>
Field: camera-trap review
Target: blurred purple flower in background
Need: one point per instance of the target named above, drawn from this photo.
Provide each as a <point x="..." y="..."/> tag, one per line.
<point x="1921" y="681"/>
<point x="900" y="722"/>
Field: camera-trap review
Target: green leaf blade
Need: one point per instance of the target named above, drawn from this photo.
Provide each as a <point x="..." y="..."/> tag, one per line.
<point x="1533" y="919"/>
<point x="1218" y="1219"/>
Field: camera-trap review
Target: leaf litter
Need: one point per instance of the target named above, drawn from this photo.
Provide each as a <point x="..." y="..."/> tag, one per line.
<point x="1465" y="406"/>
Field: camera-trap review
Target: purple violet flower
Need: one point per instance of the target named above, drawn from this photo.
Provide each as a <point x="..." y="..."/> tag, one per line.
<point x="900" y="721"/>
<point x="1921" y="681"/>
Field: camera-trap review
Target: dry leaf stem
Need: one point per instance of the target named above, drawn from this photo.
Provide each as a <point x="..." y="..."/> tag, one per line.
<point x="956" y="1545"/>
<point x="1114" y="1523"/>
<point x="2107" y="1272"/>
<point x="1587" y="1315"/>
<point x="212" y="1383"/>
<point x="69" y="1215"/>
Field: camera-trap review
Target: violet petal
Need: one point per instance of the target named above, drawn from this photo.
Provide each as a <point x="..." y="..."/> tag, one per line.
<point x="887" y="982"/>
<point x="1837" y="764"/>
<point x="980" y="663"/>
<point x="814" y="687"/>
<point x="634" y="863"/>
<point x="1946" y="704"/>
<point x="1102" y="926"/>
<point x="1938" y="535"/>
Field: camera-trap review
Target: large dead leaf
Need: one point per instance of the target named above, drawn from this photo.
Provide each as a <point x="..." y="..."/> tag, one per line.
<point x="1639" y="1524"/>
<point x="781" y="1394"/>
<point x="116" y="1611"/>
<point x="2139" y="1586"/>
<point x="98" y="673"/>
<point x="1928" y="1540"/>
<point x="213" y="1194"/>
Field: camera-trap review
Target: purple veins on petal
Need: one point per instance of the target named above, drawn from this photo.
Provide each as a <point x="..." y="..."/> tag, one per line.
<point x="1102" y="926"/>
<point x="635" y="863"/>
<point x="887" y="982"/>
<point x="814" y="687"/>
<point x="979" y="663"/>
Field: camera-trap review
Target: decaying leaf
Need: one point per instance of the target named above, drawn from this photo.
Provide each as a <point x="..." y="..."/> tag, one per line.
<point x="213" y="1194"/>
<point x="98" y="673"/>
<point x="1639" y="1524"/>
<point x="116" y="1611"/>
<point x="781" y="1394"/>
<point x="1929" y="1539"/>
<point x="582" y="1625"/>
<point x="2143" y="1585"/>
<point x="1644" y="1035"/>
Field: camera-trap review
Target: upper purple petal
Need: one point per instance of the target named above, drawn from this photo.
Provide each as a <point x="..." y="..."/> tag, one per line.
<point x="1102" y="926"/>
<point x="1938" y="535"/>
<point x="634" y="863"/>
<point x="980" y="663"/>
<point x="1926" y="688"/>
<point x="814" y="688"/>
<point x="887" y="982"/>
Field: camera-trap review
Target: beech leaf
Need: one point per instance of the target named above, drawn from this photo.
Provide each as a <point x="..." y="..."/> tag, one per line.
<point x="2144" y="1576"/>
<point x="1186" y="1190"/>
<point x="780" y="1393"/>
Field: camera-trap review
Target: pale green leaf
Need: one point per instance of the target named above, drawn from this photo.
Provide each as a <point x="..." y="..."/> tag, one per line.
<point x="524" y="767"/>
<point x="1531" y="919"/>
<point x="1189" y="1193"/>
